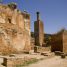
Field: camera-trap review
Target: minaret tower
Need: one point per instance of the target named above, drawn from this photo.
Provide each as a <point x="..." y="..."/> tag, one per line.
<point x="38" y="31"/>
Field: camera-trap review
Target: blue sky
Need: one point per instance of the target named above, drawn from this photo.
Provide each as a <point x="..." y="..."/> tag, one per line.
<point x="53" y="13"/>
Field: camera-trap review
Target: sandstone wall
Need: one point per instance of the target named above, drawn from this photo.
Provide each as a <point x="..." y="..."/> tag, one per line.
<point x="65" y="42"/>
<point x="14" y="30"/>
<point x="57" y="42"/>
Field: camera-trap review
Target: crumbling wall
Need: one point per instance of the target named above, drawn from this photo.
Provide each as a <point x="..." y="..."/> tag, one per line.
<point x="14" y="30"/>
<point x="57" y="42"/>
<point x="65" y="41"/>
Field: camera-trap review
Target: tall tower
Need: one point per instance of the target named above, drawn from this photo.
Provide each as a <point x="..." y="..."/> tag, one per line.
<point x="38" y="31"/>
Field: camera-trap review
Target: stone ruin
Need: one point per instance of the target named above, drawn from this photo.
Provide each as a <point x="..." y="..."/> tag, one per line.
<point x="14" y="29"/>
<point x="59" y="41"/>
<point x="15" y="34"/>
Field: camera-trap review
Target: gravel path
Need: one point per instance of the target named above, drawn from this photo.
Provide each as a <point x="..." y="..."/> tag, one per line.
<point x="52" y="62"/>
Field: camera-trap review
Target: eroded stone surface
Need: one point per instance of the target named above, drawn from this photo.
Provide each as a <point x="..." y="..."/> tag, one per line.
<point x="14" y="30"/>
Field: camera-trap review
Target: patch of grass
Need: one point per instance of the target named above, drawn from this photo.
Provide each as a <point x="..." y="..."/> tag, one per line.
<point x="26" y="63"/>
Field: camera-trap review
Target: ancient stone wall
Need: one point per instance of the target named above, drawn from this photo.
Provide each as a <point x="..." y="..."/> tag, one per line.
<point x="59" y="42"/>
<point x="32" y="40"/>
<point x="32" y="43"/>
<point x="65" y="41"/>
<point x="39" y="49"/>
<point x="14" y="30"/>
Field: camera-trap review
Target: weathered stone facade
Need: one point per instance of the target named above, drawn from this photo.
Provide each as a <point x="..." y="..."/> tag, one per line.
<point x="38" y="31"/>
<point x="14" y="29"/>
<point x="59" y="41"/>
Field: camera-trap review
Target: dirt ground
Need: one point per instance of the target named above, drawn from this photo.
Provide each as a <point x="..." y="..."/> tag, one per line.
<point x="51" y="62"/>
<point x="54" y="61"/>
